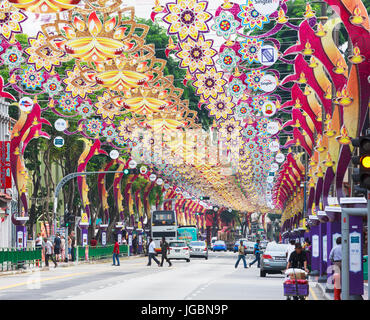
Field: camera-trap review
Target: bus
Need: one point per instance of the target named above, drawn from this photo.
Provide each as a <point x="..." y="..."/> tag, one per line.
<point x="187" y="233"/>
<point x="164" y="224"/>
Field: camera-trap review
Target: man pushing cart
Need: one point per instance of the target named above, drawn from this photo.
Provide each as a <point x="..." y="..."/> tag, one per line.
<point x="296" y="285"/>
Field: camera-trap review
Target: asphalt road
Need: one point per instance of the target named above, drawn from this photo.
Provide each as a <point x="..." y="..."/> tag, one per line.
<point x="212" y="279"/>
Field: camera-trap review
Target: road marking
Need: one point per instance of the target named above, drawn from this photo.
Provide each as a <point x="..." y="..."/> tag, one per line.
<point x="43" y="280"/>
<point x="313" y="294"/>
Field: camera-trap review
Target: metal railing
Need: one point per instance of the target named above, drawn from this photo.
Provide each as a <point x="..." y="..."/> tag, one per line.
<point x="14" y="258"/>
<point x="99" y="252"/>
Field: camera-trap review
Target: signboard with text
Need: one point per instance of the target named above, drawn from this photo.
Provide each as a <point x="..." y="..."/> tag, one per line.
<point x="5" y="172"/>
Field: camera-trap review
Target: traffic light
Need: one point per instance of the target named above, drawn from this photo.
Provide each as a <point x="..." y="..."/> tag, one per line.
<point x="131" y="171"/>
<point x="361" y="175"/>
<point x="68" y="219"/>
<point x="204" y="198"/>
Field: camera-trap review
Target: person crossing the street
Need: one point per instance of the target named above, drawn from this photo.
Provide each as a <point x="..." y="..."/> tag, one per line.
<point x="49" y="252"/>
<point x="164" y="249"/>
<point x="116" y="254"/>
<point x="256" y="253"/>
<point x="151" y="254"/>
<point x="241" y="256"/>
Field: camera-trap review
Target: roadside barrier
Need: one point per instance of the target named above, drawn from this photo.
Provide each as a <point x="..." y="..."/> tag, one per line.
<point x="15" y="258"/>
<point x="99" y="252"/>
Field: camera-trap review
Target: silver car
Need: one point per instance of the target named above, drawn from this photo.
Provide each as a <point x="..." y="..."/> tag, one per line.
<point x="249" y="247"/>
<point x="273" y="260"/>
<point x="198" y="249"/>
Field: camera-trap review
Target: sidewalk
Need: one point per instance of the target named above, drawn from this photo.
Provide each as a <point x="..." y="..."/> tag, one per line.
<point x="64" y="265"/>
<point x="330" y="295"/>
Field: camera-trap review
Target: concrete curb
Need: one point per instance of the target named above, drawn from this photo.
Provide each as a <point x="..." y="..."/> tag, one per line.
<point x="326" y="295"/>
<point x="64" y="265"/>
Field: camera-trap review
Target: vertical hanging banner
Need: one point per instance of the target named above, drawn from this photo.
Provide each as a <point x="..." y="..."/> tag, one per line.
<point x="5" y="173"/>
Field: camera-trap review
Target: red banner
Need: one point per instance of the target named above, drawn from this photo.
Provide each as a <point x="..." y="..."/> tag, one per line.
<point x="5" y="172"/>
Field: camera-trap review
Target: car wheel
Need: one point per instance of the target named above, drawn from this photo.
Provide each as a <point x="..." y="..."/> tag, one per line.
<point x="187" y="260"/>
<point x="262" y="273"/>
<point x="206" y="258"/>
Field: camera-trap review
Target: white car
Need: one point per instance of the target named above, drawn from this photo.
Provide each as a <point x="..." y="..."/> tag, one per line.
<point x="179" y="250"/>
<point x="198" y="249"/>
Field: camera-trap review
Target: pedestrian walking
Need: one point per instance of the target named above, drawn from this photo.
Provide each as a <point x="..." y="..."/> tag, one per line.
<point x="241" y="256"/>
<point x="62" y="248"/>
<point x="256" y="252"/>
<point x="164" y="249"/>
<point x="335" y="257"/>
<point x="93" y="242"/>
<point x="134" y="244"/>
<point x="116" y="254"/>
<point x="69" y="248"/>
<point x="73" y="244"/>
<point x="307" y="247"/>
<point x="49" y="252"/>
<point x="39" y="245"/>
<point x="38" y="241"/>
<point x="151" y="254"/>
<point x="57" y="242"/>
<point x="290" y="249"/>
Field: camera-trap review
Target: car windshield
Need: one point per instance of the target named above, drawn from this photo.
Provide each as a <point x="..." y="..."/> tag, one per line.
<point x="220" y="243"/>
<point x="277" y="247"/>
<point x="177" y="244"/>
<point x="197" y="243"/>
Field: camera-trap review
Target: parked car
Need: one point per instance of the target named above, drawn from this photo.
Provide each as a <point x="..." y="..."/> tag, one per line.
<point x="219" y="246"/>
<point x="273" y="260"/>
<point x="179" y="250"/>
<point x="198" y="249"/>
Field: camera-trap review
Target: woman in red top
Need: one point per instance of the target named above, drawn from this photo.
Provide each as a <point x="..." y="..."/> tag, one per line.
<point x="116" y="254"/>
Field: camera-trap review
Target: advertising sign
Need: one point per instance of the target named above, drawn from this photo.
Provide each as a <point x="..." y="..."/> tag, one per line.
<point x="274" y="146"/>
<point x="269" y="109"/>
<point x="20" y="239"/>
<point x="268" y="83"/>
<point x="119" y="238"/>
<point x="325" y="248"/>
<point x="103" y="238"/>
<point x="114" y="154"/>
<point x="60" y="125"/>
<point x="84" y="239"/>
<point x="130" y="240"/>
<point x="280" y="157"/>
<point x="355" y="254"/>
<point x="267" y="55"/>
<point x="59" y="142"/>
<point x="266" y="7"/>
<point x="26" y="104"/>
<point x="315" y="246"/>
<point x="5" y="172"/>
<point x="84" y="218"/>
